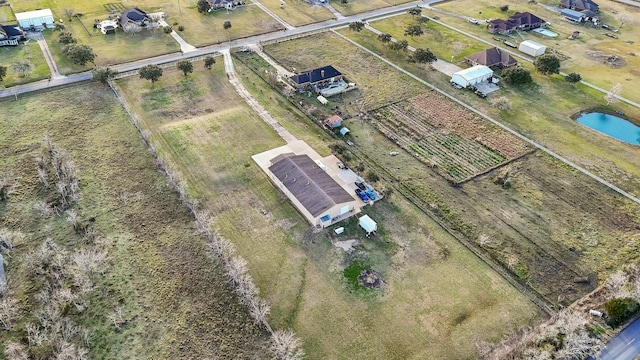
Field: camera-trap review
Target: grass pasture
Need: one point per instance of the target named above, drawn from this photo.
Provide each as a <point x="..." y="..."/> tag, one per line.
<point x="30" y="52"/>
<point x="6" y="15"/>
<point x="298" y="12"/>
<point x="359" y="6"/>
<point x="438" y="298"/>
<point x="569" y="239"/>
<point x="174" y="299"/>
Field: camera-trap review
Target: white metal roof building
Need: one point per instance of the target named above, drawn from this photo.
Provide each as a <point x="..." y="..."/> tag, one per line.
<point x="471" y="76"/>
<point x="37" y="19"/>
<point x="532" y="48"/>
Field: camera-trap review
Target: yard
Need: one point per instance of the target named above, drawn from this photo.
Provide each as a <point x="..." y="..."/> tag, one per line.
<point x="569" y="238"/>
<point x="172" y="299"/>
<point x="591" y="69"/>
<point x="352" y="7"/>
<point x="438" y="298"/>
<point x="30" y="52"/>
<point x="298" y="12"/>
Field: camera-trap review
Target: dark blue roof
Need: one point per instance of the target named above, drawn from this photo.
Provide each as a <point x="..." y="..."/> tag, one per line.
<point x="134" y="14"/>
<point x="12" y="30"/>
<point x="572" y="14"/>
<point x="315" y="75"/>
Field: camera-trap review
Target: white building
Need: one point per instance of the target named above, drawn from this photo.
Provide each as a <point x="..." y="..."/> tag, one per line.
<point x="38" y="19"/>
<point x="532" y="48"/>
<point x="472" y="76"/>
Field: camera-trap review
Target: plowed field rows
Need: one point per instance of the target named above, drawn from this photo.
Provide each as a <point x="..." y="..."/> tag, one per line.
<point x="458" y="144"/>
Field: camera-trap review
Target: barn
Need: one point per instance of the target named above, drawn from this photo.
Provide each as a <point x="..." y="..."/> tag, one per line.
<point x="310" y="182"/>
<point x="532" y="48"/>
<point x="38" y="19"/>
<point x="472" y="76"/>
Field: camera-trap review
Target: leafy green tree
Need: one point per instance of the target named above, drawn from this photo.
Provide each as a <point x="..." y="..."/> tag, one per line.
<point x="413" y="30"/>
<point x="3" y="72"/>
<point x="58" y="27"/>
<point x="227" y="26"/>
<point x="185" y="66"/>
<point x="209" y="61"/>
<point x="415" y="12"/>
<point x="385" y="38"/>
<point x="66" y="38"/>
<point x="103" y="74"/>
<point x="150" y="72"/>
<point x="422" y="56"/>
<point x="203" y="6"/>
<point x="356" y="26"/>
<point x="573" y="78"/>
<point x="401" y="45"/>
<point x="547" y="64"/>
<point x="517" y="76"/>
<point x="620" y="310"/>
<point x="79" y="54"/>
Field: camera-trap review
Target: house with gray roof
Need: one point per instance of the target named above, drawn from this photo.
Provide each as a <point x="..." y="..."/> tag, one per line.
<point x="580" y="5"/>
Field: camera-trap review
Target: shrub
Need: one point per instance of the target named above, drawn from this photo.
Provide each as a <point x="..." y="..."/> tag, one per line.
<point x="619" y="310"/>
<point x="373" y="177"/>
<point x="501" y="103"/>
<point x="517" y="76"/>
<point x="352" y="272"/>
<point x="180" y="28"/>
<point x="167" y="29"/>
<point x="573" y="78"/>
<point x="504" y="8"/>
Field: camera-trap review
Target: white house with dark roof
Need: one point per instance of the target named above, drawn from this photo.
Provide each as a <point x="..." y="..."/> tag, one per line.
<point x="310" y="182"/>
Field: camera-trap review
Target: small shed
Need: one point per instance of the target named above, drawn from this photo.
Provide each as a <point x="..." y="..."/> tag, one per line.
<point x="472" y="76"/>
<point x="368" y="224"/>
<point x="333" y="121"/>
<point x="322" y="100"/>
<point x="344" y="131"/>
<point x="532" y="48"/>
<point x="38" y="19"/>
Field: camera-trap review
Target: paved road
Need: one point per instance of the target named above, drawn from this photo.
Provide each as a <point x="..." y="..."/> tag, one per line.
<point x="625" y="346"/>
<point x="629" y="2"/>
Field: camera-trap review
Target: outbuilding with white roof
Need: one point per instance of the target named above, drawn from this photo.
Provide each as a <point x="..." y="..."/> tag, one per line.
<point x="472" y="76"/>
<point x="37" y="19"/>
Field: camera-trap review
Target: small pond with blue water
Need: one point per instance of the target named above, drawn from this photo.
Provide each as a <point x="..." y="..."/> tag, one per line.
<point x="613" y="126"/>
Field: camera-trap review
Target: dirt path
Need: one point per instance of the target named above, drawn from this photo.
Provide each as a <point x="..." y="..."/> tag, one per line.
<point x="273" y="15"/>
<point x="55" y="74"/>
<point x="233" y="79"/>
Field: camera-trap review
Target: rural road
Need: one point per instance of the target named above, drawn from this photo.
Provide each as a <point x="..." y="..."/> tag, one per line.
<point x="625" y="346"/>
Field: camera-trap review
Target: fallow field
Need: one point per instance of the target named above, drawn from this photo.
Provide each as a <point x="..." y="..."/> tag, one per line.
<point x="438" y="298"/>
<point x="150" y="289"/>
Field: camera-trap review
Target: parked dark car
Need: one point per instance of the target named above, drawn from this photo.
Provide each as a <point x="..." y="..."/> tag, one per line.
<point x="363" y="196"/>
<point x="360" y="185"/>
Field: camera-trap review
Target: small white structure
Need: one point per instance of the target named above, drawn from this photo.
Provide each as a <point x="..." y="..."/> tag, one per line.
<point x="472" y="76"/>
<point x="108" y="26"/>
<point x="38" y="19"/>
<point x="532" y="48"/>
<point x="595" y="313"/>
<point x="368" y="224"/>
<point x="322" y="100"/>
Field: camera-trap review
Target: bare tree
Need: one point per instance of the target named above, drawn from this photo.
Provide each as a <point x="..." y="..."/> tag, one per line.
<point x="484" y="239"/>
<point x="131" y="28"/>
<point x="612" y="95"/>
<point x="8" y="239"/>
<point x="43" y="209"/>
<point x="116" y="318"/>
<point x="68" y="13"/>
<point x="624" y="18"/>
<point x="286" y="346"/>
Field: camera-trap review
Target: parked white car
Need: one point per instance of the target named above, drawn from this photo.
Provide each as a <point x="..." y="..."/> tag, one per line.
<point x="473" y="21"/>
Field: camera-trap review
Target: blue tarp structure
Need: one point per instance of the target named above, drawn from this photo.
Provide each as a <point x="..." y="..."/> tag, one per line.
<point x="344" y="131"/>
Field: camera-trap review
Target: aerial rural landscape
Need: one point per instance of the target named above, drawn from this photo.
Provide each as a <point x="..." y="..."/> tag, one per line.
<point x="315" y="179"/>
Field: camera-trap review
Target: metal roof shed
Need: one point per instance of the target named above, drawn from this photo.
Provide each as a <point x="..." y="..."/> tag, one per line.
<point x="37" y="19"/>
<point x="471" y="76"/>
<point x="368" y="224"/>
<point x="532" y="48"/>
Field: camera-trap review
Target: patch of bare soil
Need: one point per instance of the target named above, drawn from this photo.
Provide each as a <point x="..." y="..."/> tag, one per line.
<point x="370" y="279"/>
<point x="610" y="60"/>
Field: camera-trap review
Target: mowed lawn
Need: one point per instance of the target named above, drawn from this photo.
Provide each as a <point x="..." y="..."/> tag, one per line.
<point x="30" y="52"/>
<point x="590" y="39"/>
<point x="543" y="112"/>
<point x="359" y="6"/>
<point x="176" y="302"/>
<point x="298" y="12"/>
<point x="439" y="299"/>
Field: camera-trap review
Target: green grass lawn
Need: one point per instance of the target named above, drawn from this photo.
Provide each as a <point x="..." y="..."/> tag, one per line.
<point x="593" y="71"/>
<point x="298" y="12"/>
<point x="6" y="15"/>
<point x="31" y="52"/>
<point x="203" y="29"/>
<point x="437" y="294"/>
<point x="175" y="300"/>
<point x="352" y="7"/>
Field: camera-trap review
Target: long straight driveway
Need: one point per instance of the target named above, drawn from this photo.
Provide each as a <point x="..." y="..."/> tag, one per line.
<point x="233" y="79"/>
